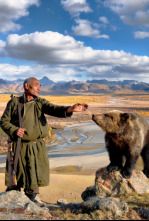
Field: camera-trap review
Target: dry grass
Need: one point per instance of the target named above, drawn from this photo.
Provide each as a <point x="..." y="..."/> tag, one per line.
<point x="77" y="99"/>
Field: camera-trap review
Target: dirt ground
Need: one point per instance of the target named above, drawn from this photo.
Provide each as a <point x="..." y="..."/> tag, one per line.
<point x="68" y="187"/>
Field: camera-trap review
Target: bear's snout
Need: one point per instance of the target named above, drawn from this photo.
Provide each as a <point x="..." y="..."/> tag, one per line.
<point x="97" y="118"/>
<point x="93" y="117"/>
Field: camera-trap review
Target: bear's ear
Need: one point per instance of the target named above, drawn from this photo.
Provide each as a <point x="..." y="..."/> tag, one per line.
<point x="125" y="116"/>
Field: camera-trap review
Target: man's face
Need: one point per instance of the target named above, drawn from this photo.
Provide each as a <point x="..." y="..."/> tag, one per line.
<point x="33" y="89"/>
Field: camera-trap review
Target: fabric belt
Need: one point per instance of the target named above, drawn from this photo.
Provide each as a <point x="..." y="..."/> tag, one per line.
<point x="29" y="141"/>
<point x="32" y="141"/>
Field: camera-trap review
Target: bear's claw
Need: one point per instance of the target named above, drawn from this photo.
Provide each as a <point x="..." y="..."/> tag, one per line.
<point x="112" y="168"/>
<point x="146" y="173"/>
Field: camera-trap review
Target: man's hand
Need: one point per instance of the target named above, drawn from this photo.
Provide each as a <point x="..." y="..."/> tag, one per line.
<point x="77" y="108"/>
<point x="20" y="132"/>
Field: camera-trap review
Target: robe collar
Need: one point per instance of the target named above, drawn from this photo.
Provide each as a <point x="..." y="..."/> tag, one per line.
<point x="24" y="99"/>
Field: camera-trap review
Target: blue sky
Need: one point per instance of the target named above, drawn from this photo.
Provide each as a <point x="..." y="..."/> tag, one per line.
<point x="74" y="39"/>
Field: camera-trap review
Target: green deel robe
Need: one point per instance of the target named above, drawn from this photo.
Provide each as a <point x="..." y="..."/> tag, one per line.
<point x="33" y="165"/>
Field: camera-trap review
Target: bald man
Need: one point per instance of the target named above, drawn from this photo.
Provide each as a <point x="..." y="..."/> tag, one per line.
<point x="33" y="164"/>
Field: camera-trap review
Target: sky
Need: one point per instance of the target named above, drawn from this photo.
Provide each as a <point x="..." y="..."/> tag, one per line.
<point x="78" y="40"/>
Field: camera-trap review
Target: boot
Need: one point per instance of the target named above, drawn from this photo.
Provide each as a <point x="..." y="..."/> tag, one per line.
<point x="31" y="196"/>
<point x="13" y="188"/>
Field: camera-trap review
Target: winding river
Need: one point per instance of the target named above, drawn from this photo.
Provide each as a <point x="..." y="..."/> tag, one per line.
<point x="75" y="140"/>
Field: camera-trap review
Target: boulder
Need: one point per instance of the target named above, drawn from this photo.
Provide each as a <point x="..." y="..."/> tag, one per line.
<point x="62" y="202"/>
<point x="89" y="192"/>
<point x="113" y="205"/>
<point x="16" y="205"/>
<point x="113" y="184"/>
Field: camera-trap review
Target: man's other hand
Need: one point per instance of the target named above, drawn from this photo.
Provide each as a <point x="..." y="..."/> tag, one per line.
<point x="20" y="132"/>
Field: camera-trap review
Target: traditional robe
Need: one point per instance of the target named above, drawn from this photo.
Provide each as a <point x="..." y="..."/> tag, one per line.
<point x="33" y="165"/>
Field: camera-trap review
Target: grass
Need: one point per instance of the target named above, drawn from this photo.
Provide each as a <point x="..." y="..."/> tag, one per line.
<point x="65" y="99"/>
<point x="66" y="169"/>
<point x="132" y="201"/>
<point x="66" y="214"/>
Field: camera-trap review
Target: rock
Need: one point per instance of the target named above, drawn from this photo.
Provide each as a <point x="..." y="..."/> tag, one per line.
<point x="89" y="192"/>
<point x="105" y="204"/>
<point x="17" y="205"/>
<point x="113" y="184"/>
<point x="143" y="212"/>
<point x="62" y="202"/>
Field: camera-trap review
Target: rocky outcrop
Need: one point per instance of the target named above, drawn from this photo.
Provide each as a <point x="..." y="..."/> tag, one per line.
<point x="113" y="184"/>
<point x="15" y="205"/>
<point x="107" y="186"/>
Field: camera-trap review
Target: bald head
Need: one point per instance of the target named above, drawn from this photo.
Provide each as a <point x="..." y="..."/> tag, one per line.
<point x="28" y="81"/>
<point x="31" y="88"/>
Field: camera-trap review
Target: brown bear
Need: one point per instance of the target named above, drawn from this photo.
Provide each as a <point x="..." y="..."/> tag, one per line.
<point x="127" y="137"/>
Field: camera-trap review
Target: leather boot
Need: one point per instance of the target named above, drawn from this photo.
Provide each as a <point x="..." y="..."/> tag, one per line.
<point x="31" y="196"/>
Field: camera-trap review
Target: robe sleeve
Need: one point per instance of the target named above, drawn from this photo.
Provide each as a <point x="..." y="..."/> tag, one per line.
<point x="5" y="122"/>
<point x="55" y="110"/>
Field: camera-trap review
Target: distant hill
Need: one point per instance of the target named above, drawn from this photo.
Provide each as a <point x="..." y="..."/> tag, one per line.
<point x="76" y="87"/>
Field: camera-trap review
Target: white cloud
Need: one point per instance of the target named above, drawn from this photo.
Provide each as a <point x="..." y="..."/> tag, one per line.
<point x="131" y="12"/>
<point x="11" y="11"/>
<point x="10" y="72"/>
<point x="54" y="48"/>
<point x="62" y="55"/>
<point x="86" y="28"/>
<point x="75" y="7"/>
<point x="104" y="20"/>
<point x="59" y="73"/>
<point x="141" y="34"/>
<point x="2" y="48"/>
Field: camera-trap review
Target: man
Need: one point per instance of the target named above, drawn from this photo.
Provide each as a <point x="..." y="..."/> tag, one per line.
<point x="33" y="165"/>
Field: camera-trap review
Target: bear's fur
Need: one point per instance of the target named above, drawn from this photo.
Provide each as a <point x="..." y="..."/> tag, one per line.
<point x="127" y="137"/>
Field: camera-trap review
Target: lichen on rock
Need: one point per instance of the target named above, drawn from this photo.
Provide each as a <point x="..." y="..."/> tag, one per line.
<point x="113" y="184"/>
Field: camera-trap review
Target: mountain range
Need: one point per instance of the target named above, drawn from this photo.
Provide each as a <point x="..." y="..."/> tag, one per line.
<point x="78" y="88"/>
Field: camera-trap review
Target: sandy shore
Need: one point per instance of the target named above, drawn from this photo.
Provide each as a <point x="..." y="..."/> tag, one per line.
<point x="90" y="162"/>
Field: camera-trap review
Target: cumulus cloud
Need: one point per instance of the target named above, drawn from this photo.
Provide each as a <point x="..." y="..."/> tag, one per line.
<point x="55" y="48"/>
<point x="2" y="48"/>
<point x="141" y="34"/>
<point x="56" y="74"/>
<point x="56" y="53"/>
<point x="75" y="7"/>
<point x="12" y="72"/>
<point x="86" y="28"/>
<point x="11" y="11"/>
<point x="131" y="12"/>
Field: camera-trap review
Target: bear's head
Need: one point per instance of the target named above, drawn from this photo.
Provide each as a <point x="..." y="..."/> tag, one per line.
<point x="113" y="121"/>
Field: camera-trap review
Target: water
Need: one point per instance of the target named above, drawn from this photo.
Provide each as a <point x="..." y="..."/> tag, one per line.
<point x="89" y="141"/>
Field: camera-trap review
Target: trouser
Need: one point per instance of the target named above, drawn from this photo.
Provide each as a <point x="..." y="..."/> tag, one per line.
<point x="17" y="188"/>
<point x="36" y="191"/>
<point x="31" y="194"/>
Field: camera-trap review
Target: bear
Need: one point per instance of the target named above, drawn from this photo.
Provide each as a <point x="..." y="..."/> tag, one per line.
<point x="126" y="138"/>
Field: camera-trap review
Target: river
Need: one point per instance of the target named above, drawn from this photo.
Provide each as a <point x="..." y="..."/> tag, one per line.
<point x="75" y="140"/>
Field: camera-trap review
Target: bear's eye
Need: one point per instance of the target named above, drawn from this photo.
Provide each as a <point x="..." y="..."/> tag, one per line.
<point x="106" y="115"/>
